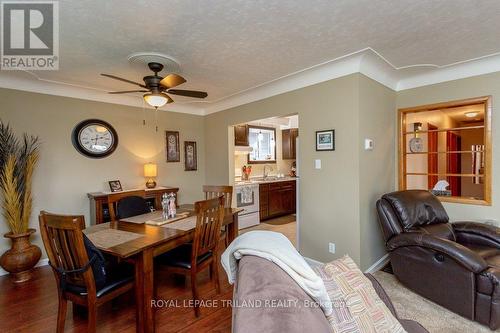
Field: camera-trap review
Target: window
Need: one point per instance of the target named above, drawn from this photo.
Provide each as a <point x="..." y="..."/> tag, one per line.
<point x="263" y="143"/>
<point x="446" y="148"/>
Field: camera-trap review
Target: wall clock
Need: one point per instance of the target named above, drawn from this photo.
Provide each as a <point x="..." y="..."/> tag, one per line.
<point x="416" y="145"/>
<point x="94" y="138"/>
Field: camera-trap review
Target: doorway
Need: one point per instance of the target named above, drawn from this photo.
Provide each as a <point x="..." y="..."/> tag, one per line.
<point x="263" y="156"/>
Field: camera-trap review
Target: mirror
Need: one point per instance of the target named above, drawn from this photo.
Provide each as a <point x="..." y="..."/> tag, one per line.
<point x="263" y="143"/>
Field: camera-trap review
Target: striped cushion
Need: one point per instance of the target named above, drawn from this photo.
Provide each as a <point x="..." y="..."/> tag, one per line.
<point x="356" y="305"/>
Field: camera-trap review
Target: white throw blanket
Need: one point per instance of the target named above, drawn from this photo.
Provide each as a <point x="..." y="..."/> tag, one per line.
<point x="277" y="248"/>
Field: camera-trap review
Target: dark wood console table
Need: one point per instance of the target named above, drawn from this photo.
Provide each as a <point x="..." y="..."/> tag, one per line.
<point x="99" y="212"/>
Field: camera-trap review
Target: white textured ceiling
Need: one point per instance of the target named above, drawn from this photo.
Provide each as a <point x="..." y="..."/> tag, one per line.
<point x="229" y="46"/>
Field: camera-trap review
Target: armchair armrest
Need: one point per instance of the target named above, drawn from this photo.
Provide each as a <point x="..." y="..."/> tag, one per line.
<point x="467" y="258"/>
<point x="481" y="230"/>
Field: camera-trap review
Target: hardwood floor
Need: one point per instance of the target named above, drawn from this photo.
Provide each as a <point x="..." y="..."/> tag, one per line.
<point x="285" y="225"/>
<point x="32" y="307"/>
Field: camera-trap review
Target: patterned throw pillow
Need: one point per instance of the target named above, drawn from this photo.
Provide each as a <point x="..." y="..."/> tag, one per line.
<point x="356" y="305"/>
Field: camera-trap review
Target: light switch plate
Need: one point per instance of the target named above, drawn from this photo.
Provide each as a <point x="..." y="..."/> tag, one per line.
<point x="317" y="164"/>
<point x="331" y="248"/>
<point x="368" y="144"/>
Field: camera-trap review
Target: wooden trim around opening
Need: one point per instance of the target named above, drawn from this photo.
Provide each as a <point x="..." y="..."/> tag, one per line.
<point x="402" y="153"/>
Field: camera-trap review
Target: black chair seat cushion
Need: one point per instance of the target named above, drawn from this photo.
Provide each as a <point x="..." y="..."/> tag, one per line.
<point x="117" y="276"/>
<point x="131" y="206"/>
<point x="180" y="257"/>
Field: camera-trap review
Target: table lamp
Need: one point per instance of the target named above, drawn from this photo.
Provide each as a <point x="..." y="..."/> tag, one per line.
<point x="150" y="172"/>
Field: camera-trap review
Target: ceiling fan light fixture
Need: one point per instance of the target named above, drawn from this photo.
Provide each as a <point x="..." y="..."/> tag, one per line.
<point x="156" y="100"/>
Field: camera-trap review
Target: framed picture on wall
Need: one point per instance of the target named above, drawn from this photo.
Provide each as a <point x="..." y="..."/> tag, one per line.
<point x="172" y="146"/>
<point x="115" y="186"/>
<point x="190" y="158"/>
<point x="325" y="140"/>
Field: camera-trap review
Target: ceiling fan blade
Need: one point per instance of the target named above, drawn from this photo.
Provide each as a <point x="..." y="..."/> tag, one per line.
<point x="188" y="93"/>
<point x="172" y="80"/>
<point x="126" y="91"/>
<point x="169" y="99"/>
<point x="124" y="80"/>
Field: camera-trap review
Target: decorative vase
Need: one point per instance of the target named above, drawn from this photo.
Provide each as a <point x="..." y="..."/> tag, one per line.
<point x="22" y="256"/>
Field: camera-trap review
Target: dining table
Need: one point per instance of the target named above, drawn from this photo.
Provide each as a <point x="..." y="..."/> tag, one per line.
<point x="141" y="238"/>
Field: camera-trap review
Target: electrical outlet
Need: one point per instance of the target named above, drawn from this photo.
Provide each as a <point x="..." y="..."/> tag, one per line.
<point x="331" y="247"/>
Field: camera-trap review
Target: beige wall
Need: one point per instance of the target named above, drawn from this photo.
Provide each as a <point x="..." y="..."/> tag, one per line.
<point x="64" y="176"/>
<point x="483" y="85"/>
<point x="376" y="167"/>
<point x="329" y="201"/>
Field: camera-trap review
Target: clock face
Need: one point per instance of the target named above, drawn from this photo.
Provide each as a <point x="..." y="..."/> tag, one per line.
<point x="95" y="138"/>
<point x="416" y="145"/>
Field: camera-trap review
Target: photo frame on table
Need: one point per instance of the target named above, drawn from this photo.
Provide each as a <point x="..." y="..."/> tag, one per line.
<point x="115" y="186"/>
<point x="172" y="150"/>
<point x="190" y="157"/>
<point x="325" y="140"/>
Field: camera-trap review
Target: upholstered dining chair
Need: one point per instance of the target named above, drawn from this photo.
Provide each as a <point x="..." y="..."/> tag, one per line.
<point x="82" y="274"/>
<point x="126" y="204"/>
<point x="192" y="258"/>
<point x="215" y="191"/>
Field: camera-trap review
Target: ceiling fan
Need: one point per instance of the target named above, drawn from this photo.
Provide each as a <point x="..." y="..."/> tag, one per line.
<point x="156" y="87"/>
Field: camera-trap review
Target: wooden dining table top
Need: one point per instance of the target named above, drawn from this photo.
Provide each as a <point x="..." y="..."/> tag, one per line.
<point x="150" y="235"/>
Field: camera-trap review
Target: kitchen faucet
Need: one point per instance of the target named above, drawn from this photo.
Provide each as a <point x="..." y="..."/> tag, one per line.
<point x="265" y="170"/>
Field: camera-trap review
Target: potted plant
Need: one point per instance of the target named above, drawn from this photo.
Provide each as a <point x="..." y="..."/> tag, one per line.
<point x="18" y="159"/>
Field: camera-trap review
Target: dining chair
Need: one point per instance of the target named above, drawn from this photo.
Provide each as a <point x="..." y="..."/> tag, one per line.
<point x="192" y="258"/>
<point x="215" y="191"/>
<point x="82" y="274"/>
<point x="126" y="204"/>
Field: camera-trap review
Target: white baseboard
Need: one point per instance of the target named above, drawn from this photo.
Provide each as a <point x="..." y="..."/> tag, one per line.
<point x="378" y="264"/>
<point x="41" y="262"/>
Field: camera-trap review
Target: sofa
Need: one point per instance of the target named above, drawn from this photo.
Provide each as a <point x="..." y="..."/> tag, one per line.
<point x="456" y="265"/>
<point x="260" y="280"/>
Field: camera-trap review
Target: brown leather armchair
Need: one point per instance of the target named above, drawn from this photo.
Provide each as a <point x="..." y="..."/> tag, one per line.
<point x="456" y="265"/>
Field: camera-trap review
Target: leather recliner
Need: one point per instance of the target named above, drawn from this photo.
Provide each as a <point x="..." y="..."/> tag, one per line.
<point x="456" y="265"/>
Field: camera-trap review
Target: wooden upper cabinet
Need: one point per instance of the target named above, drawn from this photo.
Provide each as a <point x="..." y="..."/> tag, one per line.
<point x="288" y="143"/>
<point x="241" y="135"/>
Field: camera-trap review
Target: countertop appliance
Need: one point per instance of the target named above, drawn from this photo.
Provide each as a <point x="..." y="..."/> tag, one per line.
<point x="247" y="197"/>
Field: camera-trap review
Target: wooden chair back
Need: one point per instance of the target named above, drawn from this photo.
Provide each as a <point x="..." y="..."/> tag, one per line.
<point x="115" y="197"/>
<point x="215" y="191"/>
<point x="63" y="241"/>
<point x="209" y="217"/>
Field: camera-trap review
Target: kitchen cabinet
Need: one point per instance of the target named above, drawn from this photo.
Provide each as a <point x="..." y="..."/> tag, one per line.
<point x="289" y="143"/>
<point x="277" y="199"/>
<point x="241" y="135"/>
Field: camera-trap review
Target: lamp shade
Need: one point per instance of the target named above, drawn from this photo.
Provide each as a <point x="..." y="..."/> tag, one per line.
<point x="150" y="170"/>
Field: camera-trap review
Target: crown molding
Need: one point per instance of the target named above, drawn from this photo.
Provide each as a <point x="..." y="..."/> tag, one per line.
<point x="474" y="67"/>
<point x="366" y="61"/>
<point x="369" y="63"/>
<point x="29" y="81"/>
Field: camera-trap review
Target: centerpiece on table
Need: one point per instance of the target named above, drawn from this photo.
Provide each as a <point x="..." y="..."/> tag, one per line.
<point x="18" y="159"/>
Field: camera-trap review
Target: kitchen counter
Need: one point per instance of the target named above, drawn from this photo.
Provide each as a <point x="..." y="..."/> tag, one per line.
<point x="261" y="180"/>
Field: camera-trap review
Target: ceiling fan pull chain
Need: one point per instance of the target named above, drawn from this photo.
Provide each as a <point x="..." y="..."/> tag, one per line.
<point x="156" y="118"/>
<point x="143" y="113"/>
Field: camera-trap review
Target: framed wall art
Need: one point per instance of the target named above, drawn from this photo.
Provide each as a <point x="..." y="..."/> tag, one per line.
<point x="190" y="158"/>
<point x="172" y="150"/>
<point x="325" y="140"/>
